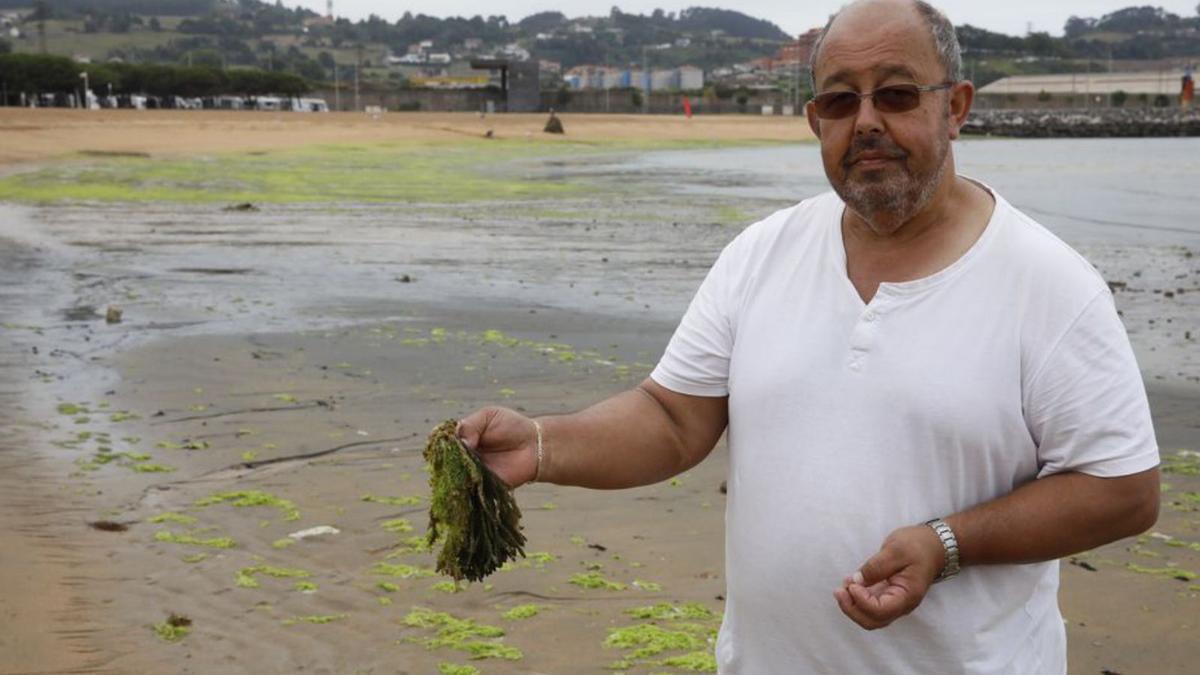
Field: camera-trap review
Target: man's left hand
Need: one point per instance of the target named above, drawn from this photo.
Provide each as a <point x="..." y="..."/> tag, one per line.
<point x="894" y="581"/>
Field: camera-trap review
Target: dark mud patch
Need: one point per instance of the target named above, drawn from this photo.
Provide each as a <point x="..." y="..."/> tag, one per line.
<point x="108" y="526"/>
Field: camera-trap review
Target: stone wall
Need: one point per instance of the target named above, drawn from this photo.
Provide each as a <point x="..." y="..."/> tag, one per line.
<point x="1110" y="123"/>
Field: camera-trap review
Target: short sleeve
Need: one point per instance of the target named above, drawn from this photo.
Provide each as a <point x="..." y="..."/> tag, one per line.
<point x="1086" y="405"/>
<point x="696" y="361"/>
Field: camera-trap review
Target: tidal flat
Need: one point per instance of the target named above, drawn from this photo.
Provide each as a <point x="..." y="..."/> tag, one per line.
<point x="287" y="362"/>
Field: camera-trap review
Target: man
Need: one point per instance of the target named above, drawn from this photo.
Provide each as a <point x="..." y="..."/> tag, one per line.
<point x="914" y="375"/>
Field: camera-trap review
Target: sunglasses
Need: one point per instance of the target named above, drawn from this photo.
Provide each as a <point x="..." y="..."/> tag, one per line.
<point x="895" y="98"/>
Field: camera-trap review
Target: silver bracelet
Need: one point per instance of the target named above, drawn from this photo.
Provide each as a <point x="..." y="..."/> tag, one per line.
<point x="950" y="543"/>
<point x="537" y="472"/>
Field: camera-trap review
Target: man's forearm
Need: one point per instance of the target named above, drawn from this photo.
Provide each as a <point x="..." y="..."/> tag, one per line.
<point x="628" y="440"/>
<point x="1056" y="516"/>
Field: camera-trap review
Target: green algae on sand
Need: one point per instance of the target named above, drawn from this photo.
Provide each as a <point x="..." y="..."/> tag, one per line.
<point x="471" y="510"/>
<point x="174" y="629"/>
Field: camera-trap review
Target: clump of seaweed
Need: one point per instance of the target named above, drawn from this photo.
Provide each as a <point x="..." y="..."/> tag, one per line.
<point x="665" y="611"/>
<point x="174" y="629"/>
<point x="595" y="580"/>
<point x="522" y="612"/>
<point x="245" y="498"/>
<point x="471" y="510"/>
<point x="316" y="619"/>
<point x="169" y="537"/>
<point x="480" y="641"/>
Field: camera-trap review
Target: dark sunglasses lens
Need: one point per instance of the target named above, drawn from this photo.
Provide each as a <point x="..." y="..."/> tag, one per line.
<point x="836" y="104"/>
<point x="897" y="99"/>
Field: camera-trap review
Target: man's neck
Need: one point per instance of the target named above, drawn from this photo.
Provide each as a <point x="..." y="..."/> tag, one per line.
<point x="927" y="243"/>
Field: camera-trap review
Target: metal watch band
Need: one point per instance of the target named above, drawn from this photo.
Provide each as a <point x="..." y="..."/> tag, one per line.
<point x="950" y="543"/>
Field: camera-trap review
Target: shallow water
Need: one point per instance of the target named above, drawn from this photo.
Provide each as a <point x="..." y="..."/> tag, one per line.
<point x="1085" y="190"/>
<point x="637" y="248"/>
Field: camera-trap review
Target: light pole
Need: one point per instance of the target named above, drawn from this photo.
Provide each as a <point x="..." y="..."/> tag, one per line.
<point x="84" y="75"/>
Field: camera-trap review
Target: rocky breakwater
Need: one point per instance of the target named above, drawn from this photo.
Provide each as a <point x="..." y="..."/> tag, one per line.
<point x="1111" y="123"/>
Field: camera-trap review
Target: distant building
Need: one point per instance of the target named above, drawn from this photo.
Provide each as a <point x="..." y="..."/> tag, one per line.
<point x="1162" y="82"/>
<point x="601" y="77"/>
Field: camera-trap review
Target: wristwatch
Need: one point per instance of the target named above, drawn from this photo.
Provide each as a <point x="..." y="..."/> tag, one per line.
<point x="950" y="543"/>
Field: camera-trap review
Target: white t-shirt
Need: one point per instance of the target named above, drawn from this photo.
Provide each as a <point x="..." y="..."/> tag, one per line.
<point x="847" y="421"/>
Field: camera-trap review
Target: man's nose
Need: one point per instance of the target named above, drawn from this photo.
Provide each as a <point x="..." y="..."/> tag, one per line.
<point x="867" y="120"/>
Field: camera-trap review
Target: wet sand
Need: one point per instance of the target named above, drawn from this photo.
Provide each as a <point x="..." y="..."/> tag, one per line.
<point x="252" y="337"/>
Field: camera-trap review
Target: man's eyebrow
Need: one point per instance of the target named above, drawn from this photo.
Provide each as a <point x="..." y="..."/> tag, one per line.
<point x="882" y="72"/>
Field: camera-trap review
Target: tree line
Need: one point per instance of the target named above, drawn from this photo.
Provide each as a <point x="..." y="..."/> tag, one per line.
<point x="35" y="73"/>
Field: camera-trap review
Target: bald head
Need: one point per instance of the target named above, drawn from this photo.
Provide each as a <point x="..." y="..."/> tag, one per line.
<point x="924" y="16"/>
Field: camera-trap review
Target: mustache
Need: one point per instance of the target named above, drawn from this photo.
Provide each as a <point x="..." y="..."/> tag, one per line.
<point x="873" y="144"/>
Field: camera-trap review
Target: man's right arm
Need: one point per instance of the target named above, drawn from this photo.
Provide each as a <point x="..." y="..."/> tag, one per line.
<point x="638" y="437"/>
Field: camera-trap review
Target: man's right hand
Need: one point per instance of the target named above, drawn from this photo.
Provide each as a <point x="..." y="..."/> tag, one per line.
<point x="637" y="437"/>
<point x="505" y="440"/>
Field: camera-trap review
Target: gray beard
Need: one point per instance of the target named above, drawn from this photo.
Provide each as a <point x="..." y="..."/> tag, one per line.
<point x="894" y="199"/>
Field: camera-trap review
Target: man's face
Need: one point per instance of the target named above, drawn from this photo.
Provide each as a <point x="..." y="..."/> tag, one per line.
<point x="885" y="166"/>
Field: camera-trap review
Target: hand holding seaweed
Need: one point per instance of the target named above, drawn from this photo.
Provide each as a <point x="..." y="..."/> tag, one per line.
<point x="471" y="510"/>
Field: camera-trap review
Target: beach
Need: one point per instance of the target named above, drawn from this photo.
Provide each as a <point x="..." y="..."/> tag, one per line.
<point x="248" y="436"/>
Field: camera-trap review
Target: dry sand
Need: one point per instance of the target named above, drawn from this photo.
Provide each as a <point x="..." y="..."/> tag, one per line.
<point x="75" y="599"/>
<point x="46" y="134"/>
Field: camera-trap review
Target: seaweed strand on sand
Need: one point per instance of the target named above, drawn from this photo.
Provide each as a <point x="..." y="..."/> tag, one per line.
<point x="471" y="510"/>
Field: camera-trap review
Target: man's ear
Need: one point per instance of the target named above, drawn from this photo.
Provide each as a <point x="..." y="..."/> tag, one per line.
<point x="962" y="97"/>
<point x="814" y="123"/>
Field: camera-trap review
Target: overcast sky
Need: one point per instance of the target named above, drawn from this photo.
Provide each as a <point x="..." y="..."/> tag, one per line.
<point x="795" y="16"/>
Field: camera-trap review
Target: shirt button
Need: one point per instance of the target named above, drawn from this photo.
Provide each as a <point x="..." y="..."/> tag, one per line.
<point x="870" y="316"/>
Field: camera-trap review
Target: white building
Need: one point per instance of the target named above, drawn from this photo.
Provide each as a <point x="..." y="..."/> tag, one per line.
<point x="1162" y="82"/>
<point x="691" y="77"/>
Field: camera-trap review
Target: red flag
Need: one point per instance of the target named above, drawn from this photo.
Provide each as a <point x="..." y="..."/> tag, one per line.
<point x="687" y="107"/>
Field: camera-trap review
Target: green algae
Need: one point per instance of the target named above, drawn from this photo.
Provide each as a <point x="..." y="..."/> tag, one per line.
<point x="388" y="586"/>
<point x="471" y="511"/>
<point x="402" y="571"/>
<point x="169" y="537"/>
<point x="305" y="587"/>
<point x="650" y="586"/>
<point x="1165" y="572"/>
<point x="174" y="629"/>
<point x="480" y="641"/>
<point x="665" y="611"/>
<point x="122" y="416"/>
<point x="316" y="619"/>
<point x="1183" y="463"/>
<point x="247" y="498"/>
<point x="282" y="543"/>
<point x="595" y="580"/>
<point x="193" y="558"/>
<point x="455" y="669"/>
<point x="694" y="662"/>
<point x="447" y="587"/>
<point x="72" y="409"/>
<point x="392" y="501"/>
<point x="521" y="612"/>
<point x="648" y="640"/>
<point x="397" y="525"/>
<point x="186" y="445"/>
<point x="410" y="172"/>
<point x="245" y="577"/>
<point x="148" y="467"/>
<point x="173" y="517"/>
